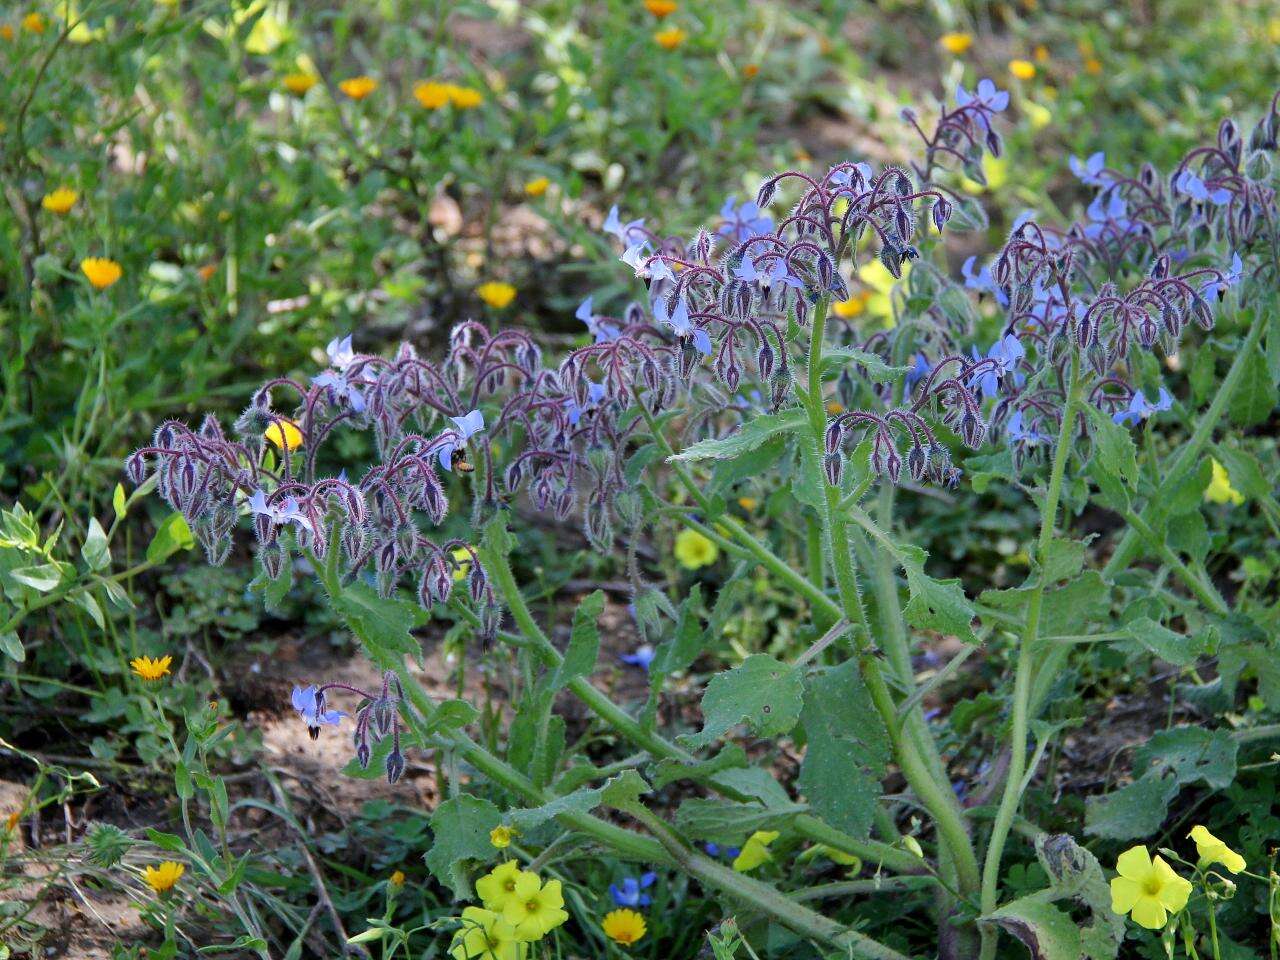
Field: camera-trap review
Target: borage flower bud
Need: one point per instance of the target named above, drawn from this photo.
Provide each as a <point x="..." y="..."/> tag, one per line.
<point x="833" y="467"/>
<point x="971" y="430"/>
<point x="764" y="360"/>
<point x="395" y="765"/>
<point x="918" y="462"/>
<point x="833" y="437"/>
<point x="478" y="583"/>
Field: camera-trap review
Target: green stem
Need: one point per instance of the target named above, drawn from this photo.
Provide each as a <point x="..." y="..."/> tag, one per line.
<point x="1126" y="549"/>
<point x="1012" y="796"/>
<point x="936" y="798"/>
<point x="1204" y="591"/>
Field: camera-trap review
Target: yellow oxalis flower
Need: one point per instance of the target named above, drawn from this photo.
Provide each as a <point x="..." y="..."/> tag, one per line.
<point x="60" y="201"/>
<point x="855" y="306"/>
<point x="661" y="8"/>
<point x="151" y="669"/>
<point x="496" y="294"/>
<point x="498" y="886"/>
<point x="500" y="837"/>
<point x="994" y="169"/>
<point x="162" y="878"/>
<point x="623" y="926"/>
<point x="956" y="43"/>
<point x="1022" y="69"/>
<point x="1220" y="489"/>
<point x="534" y="908"/>
<point x="693" y="550"/>
<point x="537" y="187"/>
<point x="101" y="272"/>
<point x="486" y="936"/>
<point x="464" y="98"/>
<point x="298" y="83"/>
<point x="755" y="851"/>
<point x="670" y="38"/>
<point x="357" y="88"/>
<point x="1147" y="889"/>
<point x="285" y="434"/>
<point x="1213" y="850"/>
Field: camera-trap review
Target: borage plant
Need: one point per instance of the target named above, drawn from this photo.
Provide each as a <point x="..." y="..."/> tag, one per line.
<point x="736" y="348"/>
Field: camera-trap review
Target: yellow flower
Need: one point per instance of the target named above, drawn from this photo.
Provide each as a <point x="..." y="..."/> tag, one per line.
<point x="748" y="503"/>
<point x="832" y="854"/>
<point x="498" y="886"/>
<point x="835" y="407"/>
<point x="496" y="294"/>
<point x="537" y="187"/>
<point x="956" y="43"/>
<point x="397" y="879"/>
<point x="464" y="98"/>
<point x="853" y="307"/>
<point x="357" y="88"/>
<point x="60" y="201"/>
<point x="6" y="31"/>
<point x="285" y="434"/>
<point x="670" y="38"/>
<point x="661" y="8"/>
<point x="149" y="669"/>
<point x="1213" y="850"/>
<point x="755" y="851"/>
<point x="693" y="550"/>
<point x="1041" y="53"/>
<point x="534" y="908"/>
<point x="1092" y="66"/>
<point x="11" y="821"/>
<point x="880" y="284"/>
<point x="500" y="837"/>
<point x="1220" y="489"/>
<point x="1022" y="69"/>
<point x="1148" y="890"/>
<point x="101" y="272"/>
<point x="162" y="878"/>
<point x="486" y="936"/>
<point x="623" y="926"/>
<point x="33" y="22"/>
<point x="432" y="95"/>
<point x="750" y="71"/>
<point x="298" y="83"/>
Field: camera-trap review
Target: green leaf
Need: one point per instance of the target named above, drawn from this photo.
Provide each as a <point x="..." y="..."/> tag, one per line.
<point x="118" y="502"/>
<point x="460" y="829"/>
<point x="42" y="577"/>
<point x="689" y="639"/>
<point x="12" y="647"/>
<point x="1175" y="648"/>
<point x="1203" y="374"/>
<point x="1113" y="448"/>
<point x="584" y="642"/>
<point x="582" y="800"/>
<point x="1046" y="931"/>
<point x="1192" y="754"/>
<point x="1133" y="811"/>
<point x="876" y="369"/>
<point x="382" y="624"/>
<point x="86" y="602"/>
<point x="766" y="694"/>
<point x="1063" y="560"/>
<point x="937" y="604"/>
<point x="748" y="437"/>
<point x="847" y="749"/>
<point x="624" y="791"/>
<point x="166" y="841"/>
<point x="726" y="821"/>
<point x="95" y="551"/>
<point x="1255" y="393"/>
<point x="746" y="466"/>
<point x="173" y="535"/>
<point x="668" y="771"/>
<point x="1065" y="609"/>
<point x="1245" y="471"/>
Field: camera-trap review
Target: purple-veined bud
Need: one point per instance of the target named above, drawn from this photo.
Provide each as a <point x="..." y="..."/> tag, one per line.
<point x="902" y="221"/>
<point x="564" y="505"/>
<point x="384" y="714"/>
<point x="941" y="213"/>
<point x="918" y="462"/>
<point x="135" y="467"/>
<point x="833" y="437"/>
<point x="702" y="246"/>
<point x="971" y="430"/>
<point x="893" y="462"/>
<point x="994" y="144"/>
<point x="764" y="360"/>
<point x="892" y="262"/>
<point x="515" y="474"/>
<point x="395" y="765"/>
<point x="387" y="557"/>
<point x="833" y="467"/>
<point x="765" y="193"/>
<point x="363" y="754"/>
<point x="477" y="582"/>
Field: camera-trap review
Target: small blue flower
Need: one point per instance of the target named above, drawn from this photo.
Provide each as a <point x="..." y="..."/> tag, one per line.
<point x="1018" y="433"/>
<point x="919" y="369"/>
<point x="595" y="393"/>
<point x="1140" y="408"/>
<point x="742" y="223"/>
<point x="715" y="850"/>
<point x="1216" y="287"/>
<point x="678" y="320"/>
<point x="342" y="389"/>
<point x="466" y="426"/>
<point x="629" y="894"/>
<point x="603" y="333"/>
<point x="634" y="258"/>
<point x="1188" y="183"/>
<point x="987" y="95"/>
<point x="340" y="353"/>
<point x="310" y="706"/>
<point x="982" y="280"/>
<point x="641" y="657"/>
<point x="1107" y="208"/>
<point x="285" y="512"/>
<point x="1092" y="171"/>
<point x="1006" y="353"/>
<point x="614" y="225"/>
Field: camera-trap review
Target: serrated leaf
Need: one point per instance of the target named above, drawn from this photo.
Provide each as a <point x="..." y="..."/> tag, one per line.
<point x="875" y="368"/>
<point x="939" y="605"/>
<point x="460" y="829"/>
<point x="1113" y="448"/>
<point x="624" y="791"/>
<point x="762" y="692"/>
<point x="1175" y="648"/>
<point x="584" y="642"/>
<point x="847" y="749"/>
<point x="382" y="624"/>
<point x="582" y="800"/>
<point x="1191" y="754"/>
<point x="746" y="438"/>
<point x="1245" y="471"/>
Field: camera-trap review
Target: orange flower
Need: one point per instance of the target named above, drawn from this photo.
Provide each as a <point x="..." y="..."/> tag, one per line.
<point x="6" y="31"/>
<point x="1092" y="66"/>
<point x="33" y="22"/>
<point x="661" y="8"/>
<point x="357" y="88"/>
<point x="670" y="38"/>
<point x="751" y="71"/>
<point x="101" y="272"/>
<point x="60" y="201"/>
<point x="1022" y="69"/>
<point x="432" y="95"/>
<point x="207" y="271"/>
<point x="298" y="83"/>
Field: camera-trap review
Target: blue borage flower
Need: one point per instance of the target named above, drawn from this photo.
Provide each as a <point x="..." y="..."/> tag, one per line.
<point x="1140" y="408"/>
<point x="465" y="427"/>
<point x="1188" y="183"/>
<point x="377" y="718"/>
<point x="310" y="704"/>
<point x="717" y="851"/>
<point x="641" y="657"/>
<point x="630" y="893"/>
<point x="744" y="222"/>
<point x="1093" y="171"/>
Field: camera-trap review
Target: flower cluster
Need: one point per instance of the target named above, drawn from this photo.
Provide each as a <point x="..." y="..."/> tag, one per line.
<point x="377" y="719"/>
<point x="519" y="909"/>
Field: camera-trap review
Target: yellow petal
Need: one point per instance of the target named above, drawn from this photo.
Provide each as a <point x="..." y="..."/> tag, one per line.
<point x="1148" y="912"/>
<point x="1124" y="894"/>
<point x="1134" y="863"/>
